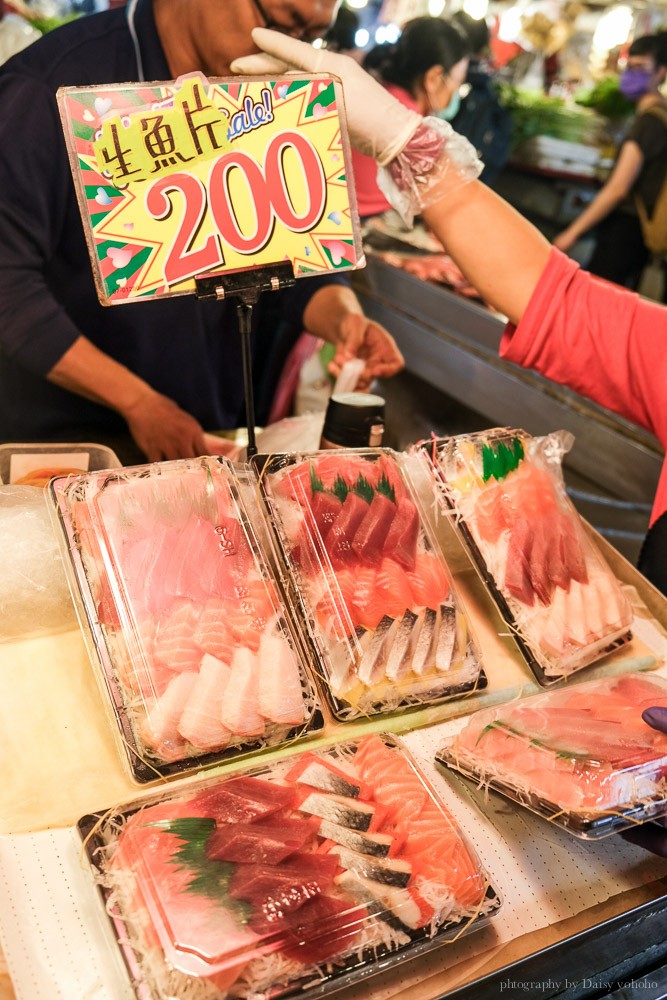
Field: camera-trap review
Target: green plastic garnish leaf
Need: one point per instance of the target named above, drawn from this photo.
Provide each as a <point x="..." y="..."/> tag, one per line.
<point x="498" y="462"/>
<point x="363" y="489"/>
<point x="340" y="488"/>
<point x="316" y="484"/>
<point x="209" y="878"/>
<point x="386" y="489"/>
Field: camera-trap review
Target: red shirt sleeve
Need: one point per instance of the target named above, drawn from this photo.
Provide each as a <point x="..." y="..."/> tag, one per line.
<point x="601" y="340"/>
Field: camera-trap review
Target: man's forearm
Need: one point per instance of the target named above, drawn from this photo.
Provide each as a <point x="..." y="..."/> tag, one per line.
<point x="88" y="372"/>
<point x="327" y="309"/>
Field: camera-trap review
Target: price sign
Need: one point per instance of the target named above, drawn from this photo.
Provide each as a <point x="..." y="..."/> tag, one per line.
<point x="181" y="179"/>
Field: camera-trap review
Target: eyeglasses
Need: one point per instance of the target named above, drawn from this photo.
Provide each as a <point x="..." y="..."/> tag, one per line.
<point x="268" y="22"/>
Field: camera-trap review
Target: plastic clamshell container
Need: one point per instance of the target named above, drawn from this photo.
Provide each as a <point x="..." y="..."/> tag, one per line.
<point x="377" y="596"/>
<point x="290" y="879"/>
<point x="580" y="756"/>
<point x="188" y="629"/>
<point x="530" y="546"/>
<point x="35" y="464"/>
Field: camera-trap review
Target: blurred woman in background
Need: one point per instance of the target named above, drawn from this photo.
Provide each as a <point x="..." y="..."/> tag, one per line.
<point x="424" y="70"/>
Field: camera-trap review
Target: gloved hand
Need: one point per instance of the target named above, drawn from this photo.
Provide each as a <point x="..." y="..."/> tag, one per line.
<point x="651" y="836"/>
<point x="379" y="125"/>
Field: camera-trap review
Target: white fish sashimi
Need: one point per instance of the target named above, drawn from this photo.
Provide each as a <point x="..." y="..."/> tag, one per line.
<point x="160" y="727"/>
<point x="240" y="706"/>
<point x="201" y="721"/>
<point x="280" y="691"/>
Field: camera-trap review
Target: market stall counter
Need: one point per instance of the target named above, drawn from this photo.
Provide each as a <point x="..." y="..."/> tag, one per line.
<point x="61" y="762"/>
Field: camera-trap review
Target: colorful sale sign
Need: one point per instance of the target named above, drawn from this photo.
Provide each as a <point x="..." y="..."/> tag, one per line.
<point x="176" y="180"/>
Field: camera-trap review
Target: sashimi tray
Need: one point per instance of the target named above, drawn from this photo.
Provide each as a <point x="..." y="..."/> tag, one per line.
<point x="548" y="579"/>
<point x="581" y="757"/>
<point x="375" y="592"/>
<point x="286" y="880"/>
<point x="193" y="648"/>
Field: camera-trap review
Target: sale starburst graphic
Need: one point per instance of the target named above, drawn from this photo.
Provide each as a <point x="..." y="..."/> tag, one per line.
<point x="177" y="180"/>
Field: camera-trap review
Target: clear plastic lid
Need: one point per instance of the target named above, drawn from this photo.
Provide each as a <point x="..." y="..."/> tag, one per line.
<point x="376" y="591"/>
<point x="581" y="756"/>
<point x="299" y="874"/>
<point x="187" y="621"/>
<point x="547" y="575"/>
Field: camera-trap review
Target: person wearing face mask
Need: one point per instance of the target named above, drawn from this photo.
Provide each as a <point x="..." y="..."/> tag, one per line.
<point x="424" y="70"/>
<point x="641" y="167"/>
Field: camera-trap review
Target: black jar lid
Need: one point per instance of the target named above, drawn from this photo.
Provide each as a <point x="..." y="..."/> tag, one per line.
<point x="351" y="418"/>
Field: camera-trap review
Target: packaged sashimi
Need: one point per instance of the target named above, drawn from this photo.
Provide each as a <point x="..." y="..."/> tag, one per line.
<point x="187" y="625"/>
<point x="376" y="592"/>
<point x="287" y="879"/>
<point x="548" y="578"/>
<point x="580" y="756"/>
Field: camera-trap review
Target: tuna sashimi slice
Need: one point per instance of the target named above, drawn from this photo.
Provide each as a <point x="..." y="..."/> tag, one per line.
<point x="240" y="800"/>
<point x="280" y="690"/>
<point x="201" y="721"/>
<point x="517" y="571"/>
<point x="159" y="729"/>
<point x="340" y="537"/>
<point x="370" y="536"/>
<point x="403" y="535"/>
<point x="240" y="706"/>
<point x="324" y="509"/>
<point x="265" y="842"/>
<point x="321" y="929"/>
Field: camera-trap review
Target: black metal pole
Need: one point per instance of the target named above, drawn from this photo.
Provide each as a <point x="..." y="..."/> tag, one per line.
<point x="244" y="312"/>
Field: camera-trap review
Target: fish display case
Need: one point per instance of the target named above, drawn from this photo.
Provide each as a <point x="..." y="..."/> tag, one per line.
<point x="549" y="580"/>
<point x="290" y="879"/>
<point x="581" y="757"/>
<point x="193" y="648"/>
<point x="377" y="596"/>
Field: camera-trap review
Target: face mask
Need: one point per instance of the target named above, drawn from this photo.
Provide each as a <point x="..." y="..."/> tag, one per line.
<point x="452" y="109"/>
<point x="634" y="83"/>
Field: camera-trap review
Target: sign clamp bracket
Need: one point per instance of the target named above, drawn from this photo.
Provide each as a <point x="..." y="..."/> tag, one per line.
<point x="246" y="284"/>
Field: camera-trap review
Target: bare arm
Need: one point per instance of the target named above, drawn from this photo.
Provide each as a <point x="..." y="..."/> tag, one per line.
<point x="625" y="173"/>
<point x="160" y="428"/>
<point x="499" y="251"/>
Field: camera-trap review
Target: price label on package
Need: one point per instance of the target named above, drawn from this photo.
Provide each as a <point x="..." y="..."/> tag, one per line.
<point x="177" y="180"/>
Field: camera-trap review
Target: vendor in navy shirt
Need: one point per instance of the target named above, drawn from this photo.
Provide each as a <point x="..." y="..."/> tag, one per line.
<point x="71" y="368"/>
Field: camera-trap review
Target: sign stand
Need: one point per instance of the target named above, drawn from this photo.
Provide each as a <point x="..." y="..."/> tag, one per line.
<point x="246" y="284"/>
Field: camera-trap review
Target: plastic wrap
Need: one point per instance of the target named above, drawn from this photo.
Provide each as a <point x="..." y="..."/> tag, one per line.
<point x="34" y="595"/>
<point x="376" y="592"/>
<point x="547" y="576"/>
<point x="188" y="630"/>
<point x="436" y="161"/>
<point x="581" y="756"/>
<point x="290" y="879"/>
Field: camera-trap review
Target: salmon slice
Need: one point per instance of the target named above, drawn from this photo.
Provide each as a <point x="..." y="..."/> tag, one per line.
<point x="428" y="581"/>
<point x="212" y="633"/>
<point x="175" y="644"/>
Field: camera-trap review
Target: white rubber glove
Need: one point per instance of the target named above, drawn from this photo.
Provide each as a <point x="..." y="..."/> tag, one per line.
<point x="379" y="125"/>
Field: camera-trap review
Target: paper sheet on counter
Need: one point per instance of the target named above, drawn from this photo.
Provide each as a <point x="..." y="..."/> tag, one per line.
<point x="59" y="946"/>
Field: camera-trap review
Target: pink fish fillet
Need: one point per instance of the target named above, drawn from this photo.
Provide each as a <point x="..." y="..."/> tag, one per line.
<point x="240" y="706"/>
<point x="201" y="721"/>
<point x="160" y="727"/>
<point x="280" y="693"/>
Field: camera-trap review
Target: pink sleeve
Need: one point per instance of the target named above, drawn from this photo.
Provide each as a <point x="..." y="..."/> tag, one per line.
<point x="603" y="341"/>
